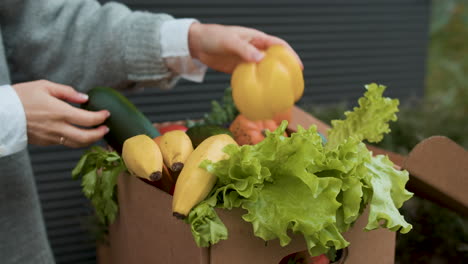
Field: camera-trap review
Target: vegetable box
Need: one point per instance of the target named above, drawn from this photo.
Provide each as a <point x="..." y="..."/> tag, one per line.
<point x="146" y="232"/>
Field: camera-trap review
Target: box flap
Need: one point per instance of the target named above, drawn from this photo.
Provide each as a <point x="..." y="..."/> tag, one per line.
<point x="439" y="170"/>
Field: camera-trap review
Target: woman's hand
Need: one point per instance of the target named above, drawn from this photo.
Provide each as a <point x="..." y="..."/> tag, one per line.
<point x="223" y="47"/>
<point x="51" y="121"/>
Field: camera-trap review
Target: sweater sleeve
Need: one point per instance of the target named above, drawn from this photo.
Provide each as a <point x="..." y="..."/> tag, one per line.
<point x="13" y="137"/>
<point x="83" y="44"/>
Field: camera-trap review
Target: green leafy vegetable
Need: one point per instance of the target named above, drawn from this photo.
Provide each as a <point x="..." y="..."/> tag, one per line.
<point x="99" y="170"/>
<point x="368" y="121"/>
<point x="298" y="184"/>
<point x="389" y="194"/>
<point x="207" y="227"/>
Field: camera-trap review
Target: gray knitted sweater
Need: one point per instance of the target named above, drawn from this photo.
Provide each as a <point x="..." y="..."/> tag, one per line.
<point x="78" y="43"/>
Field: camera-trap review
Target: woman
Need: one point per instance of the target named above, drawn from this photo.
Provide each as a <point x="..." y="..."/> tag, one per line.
<point x="51" y="51"/>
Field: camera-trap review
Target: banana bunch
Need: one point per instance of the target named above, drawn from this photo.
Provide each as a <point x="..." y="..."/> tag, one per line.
<point x="194" y="183"/>
<point x="143" y="157"/>
<point x="176" y="147"/>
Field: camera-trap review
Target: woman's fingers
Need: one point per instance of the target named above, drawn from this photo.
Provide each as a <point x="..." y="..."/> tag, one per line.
<point x="263" y="41"/>
<point x="223" y="47"/>
<point x="85" y="118"/>
<point x="65" y="92"/>
<point x="250" y="41"/>
<point x="69" y="135"/>
<point x="76" y="137"/>
<point x="243" y="49"/>
<point x="51" y="121"/>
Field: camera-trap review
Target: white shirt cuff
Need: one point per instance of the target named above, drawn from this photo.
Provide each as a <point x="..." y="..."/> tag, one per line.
<point x="175" y="50"/>
<point x="13" y="136"/>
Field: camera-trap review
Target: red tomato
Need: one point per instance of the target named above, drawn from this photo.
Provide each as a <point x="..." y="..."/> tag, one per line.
<point x="167" y="128"/>
<point x="322" y="259"/>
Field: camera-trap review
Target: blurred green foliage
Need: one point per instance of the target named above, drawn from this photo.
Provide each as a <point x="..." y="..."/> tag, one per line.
<point x="447" y="67"/>
<point x="439" y="235"/>
<point x="448" y="54"/>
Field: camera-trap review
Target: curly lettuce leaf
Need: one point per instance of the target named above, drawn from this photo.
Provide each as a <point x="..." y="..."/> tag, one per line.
<point x="296" y="198"/>
<point x="369" y="121"/>
<point x="328" y="240"/>
<point x="346" y="162"/>
<point x="206" y="226"/>
<point x="292" y="206"/>
<point x="389" y="194"/>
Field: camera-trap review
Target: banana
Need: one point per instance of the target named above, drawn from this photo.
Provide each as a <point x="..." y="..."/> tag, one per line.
<point x="143" y="157"/>
<point x="176" y="147"/>
<point x="194" y="183"/>
<point x="167" y="181"/>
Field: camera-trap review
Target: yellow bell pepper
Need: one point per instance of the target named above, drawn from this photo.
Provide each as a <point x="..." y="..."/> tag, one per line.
<point x="262" y="90"/>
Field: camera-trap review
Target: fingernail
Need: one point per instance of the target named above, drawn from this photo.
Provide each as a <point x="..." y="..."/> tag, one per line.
<point x="106" y="129"/>
<point x="258" y="56"/>
<point x="84" y="96"/>
<point x="107" y="113"/>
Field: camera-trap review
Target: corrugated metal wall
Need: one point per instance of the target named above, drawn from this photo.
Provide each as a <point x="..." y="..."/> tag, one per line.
<point x="343" y="44"/>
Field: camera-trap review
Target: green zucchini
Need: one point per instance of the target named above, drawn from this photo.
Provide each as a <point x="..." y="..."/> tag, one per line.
<point x="125" y="119"/>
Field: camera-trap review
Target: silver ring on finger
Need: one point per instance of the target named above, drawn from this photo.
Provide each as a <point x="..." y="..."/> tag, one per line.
<point x="62" y="140"/>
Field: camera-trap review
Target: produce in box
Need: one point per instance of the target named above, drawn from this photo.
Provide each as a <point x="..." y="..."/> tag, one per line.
<point x="298" y="183"/>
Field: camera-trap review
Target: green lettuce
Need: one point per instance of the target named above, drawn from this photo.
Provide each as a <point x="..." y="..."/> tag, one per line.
<point x="368" y="121"/>
<point x="389" y="194"/>
<point x="298" y="184"/>
<point x="207" y="228"/>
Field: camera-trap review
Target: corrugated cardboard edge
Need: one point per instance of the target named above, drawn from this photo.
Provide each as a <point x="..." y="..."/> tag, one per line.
<point x="439" y="170"/>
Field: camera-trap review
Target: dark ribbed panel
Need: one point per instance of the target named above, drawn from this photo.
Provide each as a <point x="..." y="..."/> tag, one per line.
<point x="343" y="44"/>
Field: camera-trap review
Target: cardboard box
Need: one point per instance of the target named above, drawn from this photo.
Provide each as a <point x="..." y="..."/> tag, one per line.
<point x="146" y="232"/>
